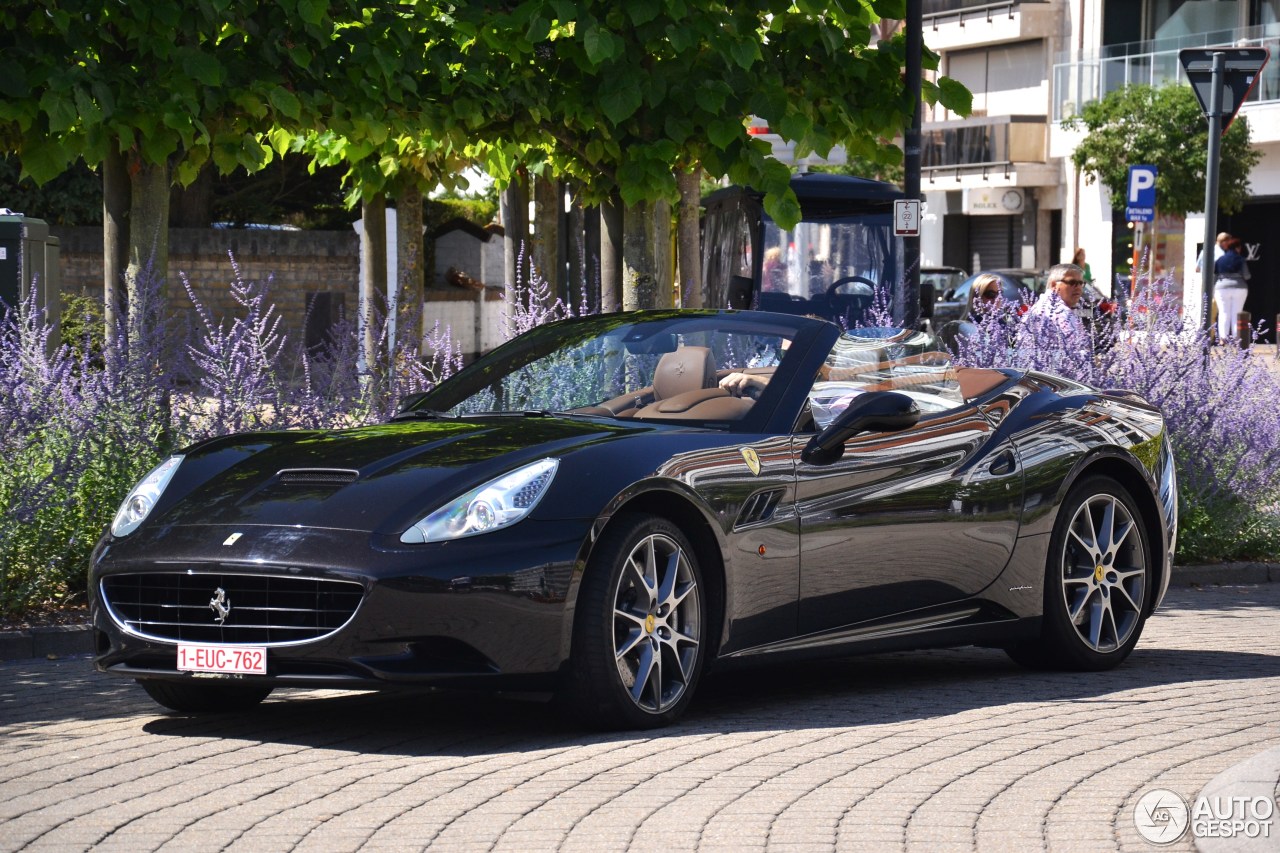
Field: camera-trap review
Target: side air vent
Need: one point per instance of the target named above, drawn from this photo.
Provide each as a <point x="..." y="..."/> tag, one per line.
<point x="758" y="508"/>
<point x="313" y="476"/>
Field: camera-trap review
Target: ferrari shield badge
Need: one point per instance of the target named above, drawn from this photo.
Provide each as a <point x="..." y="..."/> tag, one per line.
<point x="752" y="459"/>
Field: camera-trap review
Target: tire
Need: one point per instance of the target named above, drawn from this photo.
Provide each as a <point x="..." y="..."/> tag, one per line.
<point x="205" y="698"/>
<point x="1098" y="582"/>
<point x="640" y="633"/>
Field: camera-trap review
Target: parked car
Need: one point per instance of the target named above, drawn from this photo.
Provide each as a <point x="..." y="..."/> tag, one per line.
<point x="943" y="279"/>
<point x="586" y="511"/>
<point x="1017" y="286"/>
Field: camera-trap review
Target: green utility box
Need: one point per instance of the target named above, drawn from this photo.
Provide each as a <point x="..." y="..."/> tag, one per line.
<point x="29" y="257"/>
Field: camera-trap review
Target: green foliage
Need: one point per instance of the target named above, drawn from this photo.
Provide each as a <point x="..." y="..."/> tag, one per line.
<point x="1164" y="127"/>
<point x="1225" y="529"/>
<point x="617" y="97"/>
<point x="72" y="198"/>
<point x="479" y="211"/>
<point x="45" y="554"/>
<point x="83" y="325"/>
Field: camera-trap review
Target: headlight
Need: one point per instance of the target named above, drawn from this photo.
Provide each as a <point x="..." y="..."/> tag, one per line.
<point x="498" y="503"/>
<point x="137" y="506"/>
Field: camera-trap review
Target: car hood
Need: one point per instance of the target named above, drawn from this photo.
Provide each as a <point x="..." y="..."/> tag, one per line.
<point x="375" y="478"/>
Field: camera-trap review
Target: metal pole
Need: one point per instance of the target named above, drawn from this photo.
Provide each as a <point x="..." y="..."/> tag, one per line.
<point x="1211" y="187"/>
<point x="911" y="164"/>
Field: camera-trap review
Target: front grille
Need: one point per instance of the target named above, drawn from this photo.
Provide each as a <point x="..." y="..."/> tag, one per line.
<point x="260" y="609"/>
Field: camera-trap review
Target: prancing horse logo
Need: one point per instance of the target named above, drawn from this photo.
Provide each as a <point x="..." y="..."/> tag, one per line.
<point x="220" y="606"/>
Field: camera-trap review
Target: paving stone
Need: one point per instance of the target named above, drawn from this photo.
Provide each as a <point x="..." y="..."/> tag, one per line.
<point x="951" y="750"/>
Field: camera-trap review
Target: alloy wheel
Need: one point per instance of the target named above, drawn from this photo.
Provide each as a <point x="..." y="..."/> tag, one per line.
<point x="1104" y="573"/>
<point x="657" y="625"/>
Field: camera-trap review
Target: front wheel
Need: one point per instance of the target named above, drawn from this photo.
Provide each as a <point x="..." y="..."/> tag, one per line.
<point x="205" y="697"/>
<point x="639" y="640"/>
<point x="1098" y="582"/>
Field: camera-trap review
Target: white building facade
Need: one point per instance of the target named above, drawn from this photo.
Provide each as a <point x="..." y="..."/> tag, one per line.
<point x="999" y="186"/>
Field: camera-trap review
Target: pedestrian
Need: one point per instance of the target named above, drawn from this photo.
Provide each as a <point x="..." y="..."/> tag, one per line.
<point x="1230" y="287"/>
<point x="1078" y="260"/>
<point x="1051" y="336"/>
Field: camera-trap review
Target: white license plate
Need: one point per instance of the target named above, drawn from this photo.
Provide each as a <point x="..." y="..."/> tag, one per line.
<point x="250" y="660"/>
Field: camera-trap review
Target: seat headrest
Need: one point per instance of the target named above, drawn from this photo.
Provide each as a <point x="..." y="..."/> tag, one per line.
<point x="685" y="369"/>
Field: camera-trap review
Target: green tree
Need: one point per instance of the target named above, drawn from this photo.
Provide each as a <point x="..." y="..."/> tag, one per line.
<point x="623" y="97"/>
<point x="153" y="91"/>
<point x="1166" y="128"/>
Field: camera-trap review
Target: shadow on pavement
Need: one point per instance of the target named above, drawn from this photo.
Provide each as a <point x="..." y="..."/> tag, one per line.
<point x="864" y="691"/>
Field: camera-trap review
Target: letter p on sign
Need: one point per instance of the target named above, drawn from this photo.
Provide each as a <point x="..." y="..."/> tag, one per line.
<point x="1142" y="182"/>
<point x="1141" y="201"/>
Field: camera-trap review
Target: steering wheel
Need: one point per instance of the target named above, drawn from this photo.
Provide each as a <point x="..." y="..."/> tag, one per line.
<point x="840" y="282"/>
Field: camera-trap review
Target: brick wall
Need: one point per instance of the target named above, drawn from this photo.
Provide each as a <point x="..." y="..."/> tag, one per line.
<point x="297" y="262"/>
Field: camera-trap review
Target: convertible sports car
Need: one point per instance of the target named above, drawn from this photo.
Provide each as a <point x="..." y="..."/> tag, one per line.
<point x="586" y="512"/>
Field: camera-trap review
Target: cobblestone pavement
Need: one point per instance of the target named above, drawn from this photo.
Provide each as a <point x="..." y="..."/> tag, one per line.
<point x="931" y="751"/>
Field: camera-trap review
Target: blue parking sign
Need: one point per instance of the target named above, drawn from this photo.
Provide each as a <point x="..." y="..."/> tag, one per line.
<point x="1140" y="195"/>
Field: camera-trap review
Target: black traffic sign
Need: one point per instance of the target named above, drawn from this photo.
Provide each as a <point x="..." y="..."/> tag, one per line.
<point x="1241" y="66"/>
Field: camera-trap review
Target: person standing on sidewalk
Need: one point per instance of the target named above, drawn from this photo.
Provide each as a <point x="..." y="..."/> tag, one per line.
<point x="1230" y="287"/>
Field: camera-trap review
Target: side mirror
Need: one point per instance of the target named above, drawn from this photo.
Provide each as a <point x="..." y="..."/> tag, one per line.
<point x="948" y="295"/>
<point x="408" y="401"/>
<point x="875" y="411"/>
<point x="928" y="295"/>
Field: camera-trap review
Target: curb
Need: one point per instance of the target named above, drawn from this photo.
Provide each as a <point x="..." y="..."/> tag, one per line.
<point x="1254" y="777"/>
<point x="1225" y="574"/>
<point x="68" y="640"/>
<point x="53" y="642"/>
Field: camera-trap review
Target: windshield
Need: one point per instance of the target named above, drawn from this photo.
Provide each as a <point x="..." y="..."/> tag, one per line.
<point x="690" y="366"/>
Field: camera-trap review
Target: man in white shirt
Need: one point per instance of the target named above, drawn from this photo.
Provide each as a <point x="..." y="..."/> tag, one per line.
<point x="1052" y="337"/>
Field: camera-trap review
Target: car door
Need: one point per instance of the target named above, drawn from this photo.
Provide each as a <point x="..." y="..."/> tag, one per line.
<point x="907" y="520"/>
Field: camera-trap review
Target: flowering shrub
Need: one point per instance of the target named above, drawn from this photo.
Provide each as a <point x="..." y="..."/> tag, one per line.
<point x="82" y="422"/>
<point x="1218" y="403"/>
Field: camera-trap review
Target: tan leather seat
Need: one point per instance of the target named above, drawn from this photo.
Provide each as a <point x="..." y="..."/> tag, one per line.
<point x="686" y="386"/>
<point x="686" y="369"/>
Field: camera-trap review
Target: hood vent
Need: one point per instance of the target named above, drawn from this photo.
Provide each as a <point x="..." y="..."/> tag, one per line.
<point x="758" y="508"/>
<point x="317" y="476"/>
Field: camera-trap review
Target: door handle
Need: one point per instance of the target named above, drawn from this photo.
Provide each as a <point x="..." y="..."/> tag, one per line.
<point x="1004" y="463"/>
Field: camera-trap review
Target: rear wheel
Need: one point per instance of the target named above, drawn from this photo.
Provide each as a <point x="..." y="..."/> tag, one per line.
<point x="1098" y="581"/>
<point x="211" y="697"/>
<point x="639" y="640"/>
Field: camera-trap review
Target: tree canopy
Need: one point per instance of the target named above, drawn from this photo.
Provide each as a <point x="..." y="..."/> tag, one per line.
<point x="1166" y="128"/>
<point x="616" y="96"/>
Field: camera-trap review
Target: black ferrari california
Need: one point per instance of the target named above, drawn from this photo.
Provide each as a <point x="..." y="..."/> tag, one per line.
<point x="604" y="508"/>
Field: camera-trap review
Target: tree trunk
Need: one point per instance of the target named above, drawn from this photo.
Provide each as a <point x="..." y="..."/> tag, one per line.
<point x="115" y="236"/>
<point x="409" y="261"/>
<point x="591" y="258"/>
<point x="148" y="269"/>
<point x="515" y="227"/>
<point x="373" y="275"/>
<point x="689" y="248"/>
<point x="611" y="255"/>
<point x="646" y="256"/>
<point x="547" y="203"/>
<point x="577" y="287"/>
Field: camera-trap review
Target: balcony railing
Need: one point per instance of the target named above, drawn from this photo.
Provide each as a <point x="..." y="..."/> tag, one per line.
<point x="1078" y="81"/>
<point x="937" y="12"/>
<point x="985" y="145"/>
